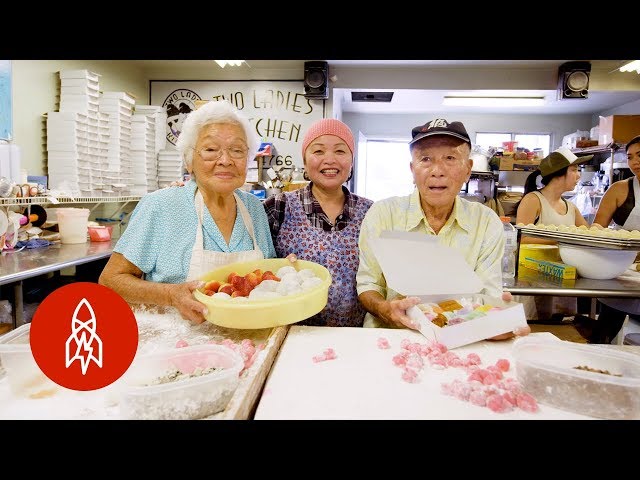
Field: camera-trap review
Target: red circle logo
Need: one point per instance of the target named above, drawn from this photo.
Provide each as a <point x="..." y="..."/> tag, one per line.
<point x="84" y="336"/>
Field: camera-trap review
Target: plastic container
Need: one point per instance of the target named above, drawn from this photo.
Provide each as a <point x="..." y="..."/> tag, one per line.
<point x="23" y="373"/>
<point x="72" y="224"/>
<point x="100" y="233"/>
<point x="547" y="369"/>
<point x="197" y="396"/>
<point x="510" y="247"/>
<point x="265" y="313"/>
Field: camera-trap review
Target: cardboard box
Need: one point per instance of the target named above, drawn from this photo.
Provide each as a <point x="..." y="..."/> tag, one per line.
<point x="415" y="264"/>
<point x="618" y="128"/>
<point x="557" y="269"/>
<point x="506" y="162"/>
<point x="539" y="251"/>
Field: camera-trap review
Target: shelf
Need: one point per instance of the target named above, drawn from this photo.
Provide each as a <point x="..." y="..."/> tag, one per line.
<point x="597" y="149"/>
<point x="42" y="200"/>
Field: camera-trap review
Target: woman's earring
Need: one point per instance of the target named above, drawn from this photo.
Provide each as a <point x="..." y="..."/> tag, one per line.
<point x="350" y="175"/>
<point x="305" y="176"/>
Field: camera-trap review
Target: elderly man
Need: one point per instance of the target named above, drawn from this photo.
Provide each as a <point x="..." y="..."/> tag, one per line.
<point x="440" y="165"/>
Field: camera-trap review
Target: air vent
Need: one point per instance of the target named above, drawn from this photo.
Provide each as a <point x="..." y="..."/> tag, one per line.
<point x="371" y="96"/>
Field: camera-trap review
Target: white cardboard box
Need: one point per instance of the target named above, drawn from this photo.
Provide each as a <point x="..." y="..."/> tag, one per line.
<point x="415" y="264"/>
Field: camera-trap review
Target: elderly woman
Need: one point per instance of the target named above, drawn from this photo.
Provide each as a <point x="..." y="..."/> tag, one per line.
<point x="177" y="234"/>
<point x="440" y="165"/>
<point x="321" y="222"/>
<point x="620" y="204"/>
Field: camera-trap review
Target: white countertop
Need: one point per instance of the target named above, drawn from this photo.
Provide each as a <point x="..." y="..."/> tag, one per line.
<point x="363" y="383"/>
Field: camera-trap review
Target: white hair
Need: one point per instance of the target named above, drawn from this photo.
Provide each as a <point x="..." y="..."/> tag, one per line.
<point x="213" y="112"/>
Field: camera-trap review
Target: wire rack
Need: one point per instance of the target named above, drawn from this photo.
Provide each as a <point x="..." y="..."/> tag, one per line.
<point x="44" y="200"/>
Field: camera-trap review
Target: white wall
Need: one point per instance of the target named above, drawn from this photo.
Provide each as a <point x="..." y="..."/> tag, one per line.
<point x="399" y="126"/>
<point x="35" y="85"/>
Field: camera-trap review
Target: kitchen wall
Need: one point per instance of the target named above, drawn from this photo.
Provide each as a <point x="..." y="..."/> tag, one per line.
<point x="35" y="89"/>
<point x="399" y="126"/>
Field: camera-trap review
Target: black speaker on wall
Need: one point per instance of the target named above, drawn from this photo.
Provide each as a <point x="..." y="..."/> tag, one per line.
<point x="316" y="79"/>
<point x="573" y="80"/>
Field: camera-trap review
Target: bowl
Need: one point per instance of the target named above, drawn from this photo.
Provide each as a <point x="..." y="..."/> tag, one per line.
<point x="171" y="385"/>
<point x="595" y="262"/>
<point x="607" y="384"/>
<point x="269" y="312"/>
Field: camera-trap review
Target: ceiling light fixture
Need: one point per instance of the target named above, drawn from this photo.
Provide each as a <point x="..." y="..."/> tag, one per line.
<point x="475" y="101"/>
<point x="232" y="63"/>
<point x="629" y="67"/>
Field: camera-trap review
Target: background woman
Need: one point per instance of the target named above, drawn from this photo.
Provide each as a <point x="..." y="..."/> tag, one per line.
<point x="620" y="204"/>
<point x="177" y="234"/>
<point x="558" y="173"/>
<point x="321" y="222"/>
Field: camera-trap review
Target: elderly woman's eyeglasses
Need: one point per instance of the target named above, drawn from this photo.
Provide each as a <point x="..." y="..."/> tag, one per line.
<point x="214" y="153"/>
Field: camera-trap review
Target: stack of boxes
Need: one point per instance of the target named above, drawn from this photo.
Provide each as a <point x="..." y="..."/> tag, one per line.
<point x="148" y="127"/>
<point x="170" y="167"/>
<point x="119" y="107"/>
<point x="76" y="141"/>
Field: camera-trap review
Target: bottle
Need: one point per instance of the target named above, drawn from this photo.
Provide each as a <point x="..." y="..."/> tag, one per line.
<point x="510" y="247"/>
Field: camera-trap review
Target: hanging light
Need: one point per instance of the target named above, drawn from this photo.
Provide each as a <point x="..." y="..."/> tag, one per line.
<point x="233" y="63"/>
<point x="633" y="65"/>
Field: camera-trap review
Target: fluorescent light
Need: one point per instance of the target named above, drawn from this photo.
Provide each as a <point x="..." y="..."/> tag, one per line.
<point x="474" y="101"/>
<point x="232" y="63"/>
<point x="633" y="65"/>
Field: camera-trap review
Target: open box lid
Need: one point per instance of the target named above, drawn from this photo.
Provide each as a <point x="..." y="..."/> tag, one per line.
<point x="416" y="264"/>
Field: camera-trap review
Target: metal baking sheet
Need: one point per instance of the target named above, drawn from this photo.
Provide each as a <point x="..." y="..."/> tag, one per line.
<point x="583" y="240"/>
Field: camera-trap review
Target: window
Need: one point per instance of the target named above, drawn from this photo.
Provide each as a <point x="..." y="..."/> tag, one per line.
<point x="525" y="140"/>
<point x="384" y="170"/>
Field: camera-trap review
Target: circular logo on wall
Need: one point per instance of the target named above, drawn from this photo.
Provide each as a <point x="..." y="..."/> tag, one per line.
<point x="178" y="105"/>
<point x="84" y="336"/>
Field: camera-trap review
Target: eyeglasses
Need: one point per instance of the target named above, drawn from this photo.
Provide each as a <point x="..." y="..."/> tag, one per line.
<point x="214" y="153"/>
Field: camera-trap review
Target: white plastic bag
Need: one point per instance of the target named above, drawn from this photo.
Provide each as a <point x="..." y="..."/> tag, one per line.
<point x="583" y="201"/>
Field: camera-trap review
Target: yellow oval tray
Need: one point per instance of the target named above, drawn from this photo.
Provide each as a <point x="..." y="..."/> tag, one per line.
<point x="269" y="312"/>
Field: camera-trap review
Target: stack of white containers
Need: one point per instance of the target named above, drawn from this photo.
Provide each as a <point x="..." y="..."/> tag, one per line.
<point x="119" y="107"/>
<point x="75" y="142"/>
<point x="143" y="158"/>
<point x="169" y="167"/>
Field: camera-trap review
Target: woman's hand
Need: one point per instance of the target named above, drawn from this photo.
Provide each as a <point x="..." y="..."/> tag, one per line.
<point x="396" y="312"/>
<point x="181" y="297"/>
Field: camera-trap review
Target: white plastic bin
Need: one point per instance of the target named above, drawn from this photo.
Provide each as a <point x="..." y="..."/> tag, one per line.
<point x="72" y="224"/>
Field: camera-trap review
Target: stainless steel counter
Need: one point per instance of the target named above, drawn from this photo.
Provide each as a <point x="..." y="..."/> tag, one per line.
<point x="38" y="261"/>
<point x="531" y="282"/>
<point x="18" y="266"/>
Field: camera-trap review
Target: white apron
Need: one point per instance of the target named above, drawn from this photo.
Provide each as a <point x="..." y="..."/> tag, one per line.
<point x="629" y="305"/>
<point x="203" y="261"/>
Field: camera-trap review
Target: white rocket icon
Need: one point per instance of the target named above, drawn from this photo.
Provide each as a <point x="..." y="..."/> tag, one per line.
<point x="83" y="344"/>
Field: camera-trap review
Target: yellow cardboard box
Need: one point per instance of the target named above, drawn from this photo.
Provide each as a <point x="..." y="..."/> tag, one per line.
<point x="557" y="269"/>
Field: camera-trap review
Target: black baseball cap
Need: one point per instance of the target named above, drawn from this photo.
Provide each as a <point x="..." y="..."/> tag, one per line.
<point x="440" y="126"/>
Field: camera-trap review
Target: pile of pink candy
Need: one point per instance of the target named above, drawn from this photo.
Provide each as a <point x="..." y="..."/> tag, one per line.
<point x="484" y="387"/>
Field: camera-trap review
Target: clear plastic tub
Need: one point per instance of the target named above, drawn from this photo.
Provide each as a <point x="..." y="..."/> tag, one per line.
<point x="23" y="373"/>
<point x="200" y="394"/>
<point x="549" y="371"/>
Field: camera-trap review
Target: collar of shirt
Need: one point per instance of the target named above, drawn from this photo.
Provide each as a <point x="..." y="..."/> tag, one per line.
<point x="312" y="206"/>
<point x="417" y="215"/>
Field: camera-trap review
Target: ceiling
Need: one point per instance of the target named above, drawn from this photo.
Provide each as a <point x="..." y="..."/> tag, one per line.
<point x="407" y="100"/>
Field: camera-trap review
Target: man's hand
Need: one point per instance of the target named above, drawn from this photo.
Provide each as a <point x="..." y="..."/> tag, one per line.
<point x="395" y="312"/>
<point x="518" y="332"/>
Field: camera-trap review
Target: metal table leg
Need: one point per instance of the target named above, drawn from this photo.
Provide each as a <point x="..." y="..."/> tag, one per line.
<point x="18" y="306"/>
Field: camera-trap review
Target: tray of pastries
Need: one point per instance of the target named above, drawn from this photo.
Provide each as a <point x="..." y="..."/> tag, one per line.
<point x="594" y="236"/>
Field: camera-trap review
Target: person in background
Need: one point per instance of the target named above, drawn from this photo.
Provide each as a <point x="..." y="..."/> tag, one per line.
<point x="321" y="222"/>
<point x="620" y="204"/>
<point x="177" y="234"/>
<point x="440" y="165"/>
<point x="558" y="173"/>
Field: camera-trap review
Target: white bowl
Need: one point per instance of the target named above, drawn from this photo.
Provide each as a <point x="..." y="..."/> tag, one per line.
<point x="595" y="262"/>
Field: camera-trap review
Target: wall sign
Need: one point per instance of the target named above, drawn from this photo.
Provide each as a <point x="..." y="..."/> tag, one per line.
<point x="277" y="109"/>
